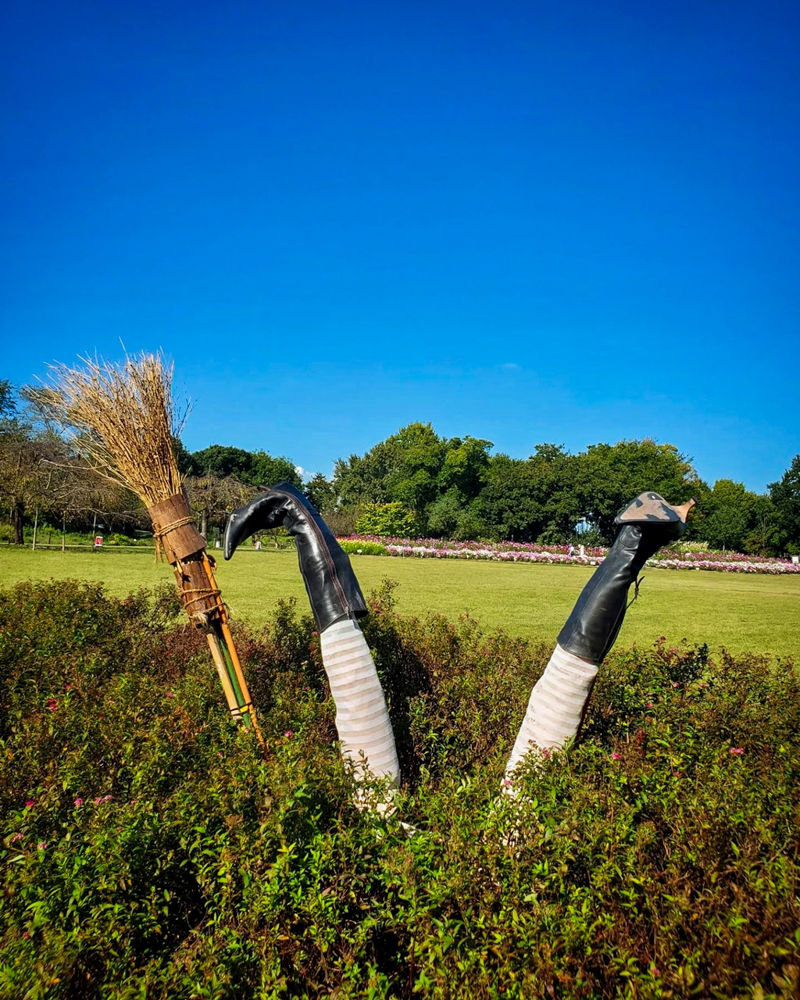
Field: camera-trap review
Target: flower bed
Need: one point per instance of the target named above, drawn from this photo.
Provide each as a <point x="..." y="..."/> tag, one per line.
<point x="532" y="552"/>
<point x="772" y="567"/>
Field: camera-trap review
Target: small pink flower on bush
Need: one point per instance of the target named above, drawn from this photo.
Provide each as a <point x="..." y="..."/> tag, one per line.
<point x="78" y="803"/>
<point x="737" y="750"/>
<point x="616" y="756"/>
<point x="506" y="783"/>
<point x="170" y="694"/>
<point x="675" y="684"/>
<point x="288" y="734"/>
<point x="52" y="704"/>
<point x="649" y="704"/>
<point x="655" y="971"/>
<point x="42" y="845"/>
<point x="30" y="803"/>
<point x="15" y="838"/>
<point x="67" y="687"/>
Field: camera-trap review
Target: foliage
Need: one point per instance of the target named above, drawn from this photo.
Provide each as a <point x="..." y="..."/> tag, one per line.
<point x="321" y="493"/>
<point x="386" y="519"/>
<point x="725" y="515"/>
<point x="456" y="488"/>
<point x="148" y="849"/>
<point x="785" y="495"/>
<point x="416" y="468"/>
<point x="608" y="476"/>
<point x="214" y="498"/>
<point x="8" y="406"/>
<point x="533" y="499"/>
<point x="255" y="468"/>
<point x="363" y="547"/>
<point x="459" y="490"/>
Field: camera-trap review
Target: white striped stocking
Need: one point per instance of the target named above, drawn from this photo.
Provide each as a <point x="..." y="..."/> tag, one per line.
<point x="362" y="719"/>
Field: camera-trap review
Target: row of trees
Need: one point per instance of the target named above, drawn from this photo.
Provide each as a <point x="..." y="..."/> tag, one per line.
<point x="420" y="483"/>
<point x="414" y="483"/>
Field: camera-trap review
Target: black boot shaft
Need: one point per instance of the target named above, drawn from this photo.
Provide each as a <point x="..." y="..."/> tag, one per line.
<point x="592" y="628"/>
<point x="596" y="619"/>
<point x="331" y="585"/>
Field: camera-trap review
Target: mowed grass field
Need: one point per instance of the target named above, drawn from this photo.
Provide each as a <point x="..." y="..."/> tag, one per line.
<point x="737" y="611"/>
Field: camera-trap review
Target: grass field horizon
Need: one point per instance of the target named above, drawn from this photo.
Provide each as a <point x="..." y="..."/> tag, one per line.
<point x="736" y="611"/>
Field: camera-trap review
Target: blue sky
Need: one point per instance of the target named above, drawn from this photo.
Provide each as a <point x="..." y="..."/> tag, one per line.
<point x="569" y="222"/>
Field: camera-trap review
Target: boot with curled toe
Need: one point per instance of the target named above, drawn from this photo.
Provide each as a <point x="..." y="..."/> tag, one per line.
<point x="362" y="719"/>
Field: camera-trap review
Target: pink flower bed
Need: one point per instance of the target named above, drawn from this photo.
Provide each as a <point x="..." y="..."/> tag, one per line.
<point x="532" y="552"/>
<point x="709" y="561"/>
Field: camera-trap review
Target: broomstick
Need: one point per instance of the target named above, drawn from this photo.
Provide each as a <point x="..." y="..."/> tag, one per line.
<point x="121" y="418"/>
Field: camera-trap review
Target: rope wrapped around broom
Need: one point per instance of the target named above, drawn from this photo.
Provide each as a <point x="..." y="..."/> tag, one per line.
<point x="185" y="549"/>
<point x="121" y="418"/>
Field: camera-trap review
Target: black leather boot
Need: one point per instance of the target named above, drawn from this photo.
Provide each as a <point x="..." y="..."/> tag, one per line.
<point x="647" y="523"/>
<point x="330" y="582"/>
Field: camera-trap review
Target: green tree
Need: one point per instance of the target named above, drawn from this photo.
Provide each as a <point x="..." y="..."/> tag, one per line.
<point x="728" y="512"/>
<point x="256" y="468"/>
<point x="388" y="520"/>
<point x="8" y="406"/>
<point x="609" y="476"/>
<point x="416" y="468"/>
<point x="453" y="516"/>
<point x="267" y="470"/>
<point x="465" y="466"/>
<point x="785" y="495"/>
<point x="23" y="452"/>
<point x="764" y="535"/>
<point x="186" y="463"/>
<point x="321" y="493"/>
<point x="213" y="498"/>
<point x="531" y="499"/>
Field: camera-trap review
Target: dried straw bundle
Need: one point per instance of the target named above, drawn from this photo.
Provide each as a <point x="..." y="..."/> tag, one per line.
<point x="121" y="417"/>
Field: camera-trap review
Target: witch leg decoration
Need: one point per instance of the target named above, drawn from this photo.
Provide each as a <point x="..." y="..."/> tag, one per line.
<point x="559" y="698"/>
<point x="362" y="719"/>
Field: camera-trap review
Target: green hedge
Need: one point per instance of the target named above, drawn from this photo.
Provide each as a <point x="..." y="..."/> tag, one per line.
<point x="363" y="548"/>
<point x="149" y="848"/>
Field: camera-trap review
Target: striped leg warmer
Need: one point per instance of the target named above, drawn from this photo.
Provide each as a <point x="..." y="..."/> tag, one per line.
<point x="555" y="708"/>
<point x="362" y="720"/>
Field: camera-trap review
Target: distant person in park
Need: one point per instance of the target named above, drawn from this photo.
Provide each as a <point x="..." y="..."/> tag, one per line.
<point x="558" y="701"/>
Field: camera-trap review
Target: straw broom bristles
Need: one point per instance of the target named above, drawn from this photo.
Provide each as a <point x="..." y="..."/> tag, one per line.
<point x="121" y="417"/>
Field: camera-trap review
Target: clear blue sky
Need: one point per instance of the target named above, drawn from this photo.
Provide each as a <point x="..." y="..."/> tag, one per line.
<point x="569" y="222"/>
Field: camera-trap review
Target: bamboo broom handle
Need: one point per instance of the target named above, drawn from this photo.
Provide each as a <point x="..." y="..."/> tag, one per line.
<point x="237" y="691"/>
<point x="222" y="670"/>
<point x="237" y="666"/>
<point x="246" y="707"/>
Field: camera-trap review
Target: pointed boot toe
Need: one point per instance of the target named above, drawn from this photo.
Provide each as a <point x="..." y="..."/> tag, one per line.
<point x="646" y="523"/>
<point x="651" y="509"/>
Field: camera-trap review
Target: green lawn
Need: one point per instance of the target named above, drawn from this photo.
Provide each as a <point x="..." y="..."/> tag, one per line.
<point x="740" y="612"/>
